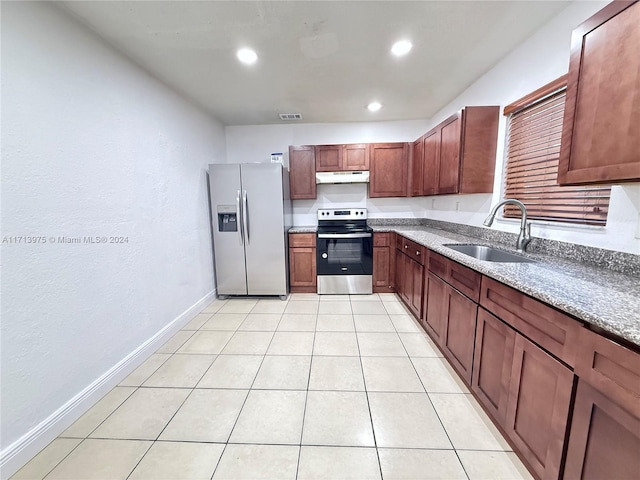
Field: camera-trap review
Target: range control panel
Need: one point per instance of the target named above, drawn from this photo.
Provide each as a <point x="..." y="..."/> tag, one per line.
<point x="342" y="214"/>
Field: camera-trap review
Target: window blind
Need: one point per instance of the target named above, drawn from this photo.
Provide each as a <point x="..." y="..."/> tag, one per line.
<point x="533" y="149"/>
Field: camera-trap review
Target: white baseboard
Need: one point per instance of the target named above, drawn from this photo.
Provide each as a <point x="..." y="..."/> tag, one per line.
<point x="13" y="457"/>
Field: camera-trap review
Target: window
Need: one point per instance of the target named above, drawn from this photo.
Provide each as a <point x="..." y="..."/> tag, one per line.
<point x="533" y="149"/>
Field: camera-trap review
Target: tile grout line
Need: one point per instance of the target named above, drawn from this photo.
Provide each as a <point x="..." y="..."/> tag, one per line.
<point x="306" y="397"/>
<point x="366" y="392"/>
<point x="246" y="397"/>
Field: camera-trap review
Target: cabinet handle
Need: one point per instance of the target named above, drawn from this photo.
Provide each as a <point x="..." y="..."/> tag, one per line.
<point x="417" y="252"/>
<point x="406" y="246"/>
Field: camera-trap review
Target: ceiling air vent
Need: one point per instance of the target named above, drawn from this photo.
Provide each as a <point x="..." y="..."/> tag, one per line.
<point x="290" y="116"/>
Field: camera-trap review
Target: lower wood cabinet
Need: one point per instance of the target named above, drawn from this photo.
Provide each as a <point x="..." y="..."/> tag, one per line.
<point x="450" y="318"/>
<point x="459" y="332"/>
<point x="604" y="441"/>
<point x="302" y="263"/>
<point x="409" y="274"/>
<point x="492" y="362"/>
<point x="434" y="315"/>
<point x="383" y="262"/>
<point x="538" y="407"/>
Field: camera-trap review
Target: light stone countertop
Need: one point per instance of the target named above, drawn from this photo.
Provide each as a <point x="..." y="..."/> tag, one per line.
<point x="600" y="297"/>
<point x="303" y="229"/>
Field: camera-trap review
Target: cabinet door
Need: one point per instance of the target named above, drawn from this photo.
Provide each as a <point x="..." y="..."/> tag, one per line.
<point x="600" y="133"/>
<point x="435" y="308"/>
<point x="604" y="440"/>
<point x="399" y="274"/>
<point x="381" y="269"/>
<point x="328" y="158"/>
<point x="416" y="166"/>
<point x="449" y="166"/>
<point x="492" y="362"/>
<point x="302" y="172"/>
<point x="415" y="298"/>
<point x="538" y="407"/>
<point x="431" y="161"/>
<point x="302" y="267"/>
<point x="407" y="281"/>
<point x="355" y="157"/>
<point x="388" y="166"/>
<point x="460" y="332"/>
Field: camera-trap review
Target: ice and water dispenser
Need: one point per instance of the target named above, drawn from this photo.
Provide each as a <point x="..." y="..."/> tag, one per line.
<point x="227" y="218"/>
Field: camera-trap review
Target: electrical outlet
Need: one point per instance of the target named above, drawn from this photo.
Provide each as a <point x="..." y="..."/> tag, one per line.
<point x="457" y="206"/>
<point x="433" y="204"/>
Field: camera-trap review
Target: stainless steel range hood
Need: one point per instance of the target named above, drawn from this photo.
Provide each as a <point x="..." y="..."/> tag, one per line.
<point x="342" y="177"/>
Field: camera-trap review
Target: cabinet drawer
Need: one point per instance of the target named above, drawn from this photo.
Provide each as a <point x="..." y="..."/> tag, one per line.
<point x="465" y="280"/>
<point x="411" y="249"/>
<point x="438" y="265"/>
<point x="610" y="368"/>
<point x="549" y="328"/>
<point x="302" y="240"/>
<point x="382" y="239"/>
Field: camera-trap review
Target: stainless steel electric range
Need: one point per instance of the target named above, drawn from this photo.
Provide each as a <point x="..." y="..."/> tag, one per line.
<point x="344" y="252"/>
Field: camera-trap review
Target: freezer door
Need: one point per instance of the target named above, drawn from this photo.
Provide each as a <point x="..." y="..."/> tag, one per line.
<point x="264" y="228"/>
<point x="228" y="244"/>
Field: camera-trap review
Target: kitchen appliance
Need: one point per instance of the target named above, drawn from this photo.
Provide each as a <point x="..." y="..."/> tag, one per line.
<point x="251" y="213"/>
<point x="342" y="177"/>
<point x="344" y="249"/>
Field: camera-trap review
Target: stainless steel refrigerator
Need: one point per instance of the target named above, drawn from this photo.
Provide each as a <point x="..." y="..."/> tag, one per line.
<point x="251" y="213"/>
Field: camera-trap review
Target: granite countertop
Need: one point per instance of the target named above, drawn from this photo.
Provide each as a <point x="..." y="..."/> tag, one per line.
<point x="303" y="229"/>
<point x="600" y="297"/>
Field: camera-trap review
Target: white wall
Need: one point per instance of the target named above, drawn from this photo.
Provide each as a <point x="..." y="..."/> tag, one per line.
<point x="540" y="59"/>
<point x="91" y="146"/>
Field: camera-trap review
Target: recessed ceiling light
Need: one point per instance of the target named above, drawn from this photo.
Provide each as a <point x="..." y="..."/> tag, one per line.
<point x="374" y="106"/>
<point x="247" y="56"/>
<point x="401" y="48"/>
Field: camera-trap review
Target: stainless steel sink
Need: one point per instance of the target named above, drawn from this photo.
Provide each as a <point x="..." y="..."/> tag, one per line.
<point x="488" y="254"/>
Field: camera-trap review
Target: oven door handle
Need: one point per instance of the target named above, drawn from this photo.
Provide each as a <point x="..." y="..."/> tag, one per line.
<point x="345" y="235"/>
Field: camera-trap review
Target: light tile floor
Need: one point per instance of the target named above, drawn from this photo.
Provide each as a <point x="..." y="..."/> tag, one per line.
<point x="315" y="387"/>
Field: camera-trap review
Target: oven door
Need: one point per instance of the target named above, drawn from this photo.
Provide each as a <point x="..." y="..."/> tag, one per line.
<point x="345" y="253"/>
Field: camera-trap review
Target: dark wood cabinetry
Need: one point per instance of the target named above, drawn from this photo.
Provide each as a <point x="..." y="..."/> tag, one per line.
<point x="302" y="172"/>
<point x="600" y="133"/>
<point x="328" y="158"/>
<point x="338" y="158"/>
<point x="492" y="364"/>
<point x="605" y="431"/>
<point x="416" y="164"/>
<point x="388" y="164"/>
<point x="355" y="157"/>
<point x="459" y="154"/>
<point x="410" y="273"/>
<point x="383" y="262"/>
<point x="450" y="310"/>
<point x="302" y="262"/>
<point x="538" y="407"/>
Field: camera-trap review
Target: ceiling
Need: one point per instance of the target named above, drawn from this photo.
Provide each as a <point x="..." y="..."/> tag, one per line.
<point x="324" y="59"/>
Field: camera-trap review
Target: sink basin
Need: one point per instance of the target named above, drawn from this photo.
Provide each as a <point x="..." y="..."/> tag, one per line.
<point x="488" y="254"/>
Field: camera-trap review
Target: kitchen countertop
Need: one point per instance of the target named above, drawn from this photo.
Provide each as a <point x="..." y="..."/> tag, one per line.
<point x="303" y="229"/>
<point x="609" y="300"/>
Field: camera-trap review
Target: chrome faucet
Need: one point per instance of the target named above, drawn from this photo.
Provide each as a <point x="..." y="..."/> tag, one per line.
<point x="525" y="228"/>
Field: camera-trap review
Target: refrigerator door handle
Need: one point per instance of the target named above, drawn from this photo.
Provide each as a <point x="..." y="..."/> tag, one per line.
<point x="240" y="234"/>
<point x="245" y="216"/>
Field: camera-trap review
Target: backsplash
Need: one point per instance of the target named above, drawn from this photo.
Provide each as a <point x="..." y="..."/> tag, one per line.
<point x="622" y="262"/>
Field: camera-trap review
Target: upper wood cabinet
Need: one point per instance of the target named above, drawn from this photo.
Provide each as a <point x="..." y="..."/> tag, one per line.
<point x="328" y="158"/>
<point x="337" y="158"/>
<point x="459" y="154"/>
<point x="302" y="172"/>
<point x="389" y="164"/>
<point x="355" y="157"/>
<point x="416" y="164"/>
<point x="601" y="128"/>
